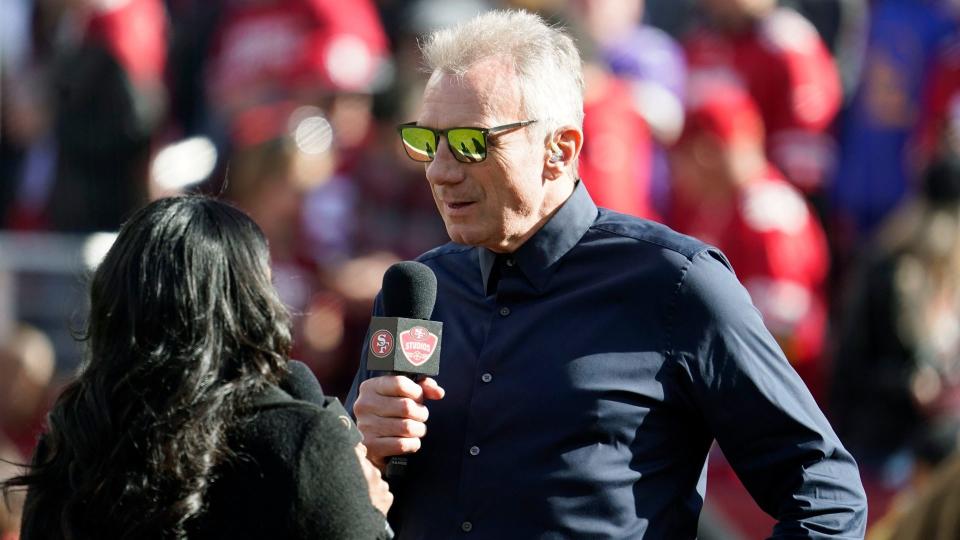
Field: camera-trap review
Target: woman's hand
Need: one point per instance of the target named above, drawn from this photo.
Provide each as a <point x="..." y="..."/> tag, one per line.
<point x="380" y="494"/>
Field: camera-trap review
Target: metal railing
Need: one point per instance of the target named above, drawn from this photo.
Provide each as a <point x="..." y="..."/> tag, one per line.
<point x="43" y="282"/>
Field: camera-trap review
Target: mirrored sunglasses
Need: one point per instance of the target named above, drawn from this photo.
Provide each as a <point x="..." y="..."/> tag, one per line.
<point x="467" y="144"/>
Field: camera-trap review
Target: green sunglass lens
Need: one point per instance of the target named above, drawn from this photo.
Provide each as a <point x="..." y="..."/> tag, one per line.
<point x="469" y="145"/>
<point x="419" y="143"/>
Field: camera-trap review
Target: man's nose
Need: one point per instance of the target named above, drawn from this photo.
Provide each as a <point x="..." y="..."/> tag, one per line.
<point x="444" y="169"/>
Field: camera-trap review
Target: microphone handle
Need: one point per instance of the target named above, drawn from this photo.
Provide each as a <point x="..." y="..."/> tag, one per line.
<point x="397" y="465"/>
<point x="396" y="468"/>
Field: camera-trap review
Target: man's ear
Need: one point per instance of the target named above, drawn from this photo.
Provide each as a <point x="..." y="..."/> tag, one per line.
<point x="561" y="152"/>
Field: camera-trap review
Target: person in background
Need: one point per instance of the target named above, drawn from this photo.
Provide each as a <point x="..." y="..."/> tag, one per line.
<point x="727" y="194"/>
<point x="932" y="449"/>
<point x="897" y="361"/>
<point x="27" y="364"/>
<point x="933" y="514"/>
<point x="187" y="419"/>
<point x="309" y="52"/>
<point x="289" y="90"/>
<point x="781" y="61"/>
<point x="650" y="65"/>
<point x="903" y="87"/>
<point x="110" y="103"/>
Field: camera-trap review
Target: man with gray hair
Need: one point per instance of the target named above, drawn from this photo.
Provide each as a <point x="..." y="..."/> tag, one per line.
<point x="591" y="358"/>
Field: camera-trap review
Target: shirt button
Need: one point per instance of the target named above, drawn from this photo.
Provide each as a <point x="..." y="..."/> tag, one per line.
<point x="474" y="450"/>
<point x="504" y="311"/>
<point x="486" y="377"/>
<point x="510" y="262"/>
<point x="466" y="526"/>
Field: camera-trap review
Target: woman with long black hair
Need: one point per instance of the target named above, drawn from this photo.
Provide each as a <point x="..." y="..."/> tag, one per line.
<point x="182" y="422"/>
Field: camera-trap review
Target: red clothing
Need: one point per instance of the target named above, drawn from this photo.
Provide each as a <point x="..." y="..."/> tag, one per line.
<point x="941" y="103"/>
<point x="785" y="66"/>
<point x="779" y="252"/>
<point x="136" y="36"/>
<point x="615" y="161"/>
<point x="269" y="49"/>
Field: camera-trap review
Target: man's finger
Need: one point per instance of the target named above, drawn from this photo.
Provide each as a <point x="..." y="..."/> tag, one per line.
<point x="389" y="407"/>
<point x="395" y="386"/>
<point x="382" y="447"/>
<point x="431" y="389"/>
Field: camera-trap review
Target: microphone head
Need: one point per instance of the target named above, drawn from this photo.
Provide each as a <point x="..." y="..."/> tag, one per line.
<point x="302" y="384"/>
<point x="409" y="290"/>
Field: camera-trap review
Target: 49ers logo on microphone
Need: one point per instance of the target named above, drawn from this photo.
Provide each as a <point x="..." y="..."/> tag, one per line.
<point x="381" y="343"/>
<point x="418" y="344"/>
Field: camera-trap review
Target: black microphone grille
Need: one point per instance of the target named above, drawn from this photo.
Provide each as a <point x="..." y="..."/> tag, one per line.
<point x="409" y="290"/>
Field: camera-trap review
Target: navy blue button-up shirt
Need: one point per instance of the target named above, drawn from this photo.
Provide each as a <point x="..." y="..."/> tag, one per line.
<point x="584" y="392"/>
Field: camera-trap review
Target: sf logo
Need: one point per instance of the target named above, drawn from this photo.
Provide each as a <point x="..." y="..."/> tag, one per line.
<point x="381" y="343"/>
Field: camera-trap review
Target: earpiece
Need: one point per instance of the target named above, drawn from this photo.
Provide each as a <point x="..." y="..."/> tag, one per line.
<point x="555" y="153"/>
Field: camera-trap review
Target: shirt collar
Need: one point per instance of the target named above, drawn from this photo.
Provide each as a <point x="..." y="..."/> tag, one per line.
<point x="537" y="258"/>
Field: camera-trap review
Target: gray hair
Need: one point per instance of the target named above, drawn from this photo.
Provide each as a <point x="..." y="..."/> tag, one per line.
<point x="545" y="59"/>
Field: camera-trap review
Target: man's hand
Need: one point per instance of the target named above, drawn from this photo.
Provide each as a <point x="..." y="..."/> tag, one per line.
<point x="391" y="415"/>
<point x="380" y="494"/>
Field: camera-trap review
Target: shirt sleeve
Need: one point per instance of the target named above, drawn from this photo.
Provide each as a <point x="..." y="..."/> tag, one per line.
<point x="332" y="499"/>
<point x="762" y="416"/>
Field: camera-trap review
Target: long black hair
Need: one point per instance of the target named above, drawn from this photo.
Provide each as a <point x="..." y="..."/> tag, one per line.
<point x="184" y="328"/>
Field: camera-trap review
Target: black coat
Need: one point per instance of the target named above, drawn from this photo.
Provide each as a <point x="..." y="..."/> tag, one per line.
<point x="295" y="474"/>
<point x="297" y="477"/>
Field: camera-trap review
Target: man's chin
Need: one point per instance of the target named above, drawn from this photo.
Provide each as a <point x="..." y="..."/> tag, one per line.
<point x="466" y="237"/>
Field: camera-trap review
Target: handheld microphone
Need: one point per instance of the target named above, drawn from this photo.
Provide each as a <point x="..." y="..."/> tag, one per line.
<point x="405" y="341"/>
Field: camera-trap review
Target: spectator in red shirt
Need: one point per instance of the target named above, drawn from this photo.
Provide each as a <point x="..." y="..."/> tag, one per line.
<point x="778" y="57"/>
<point x="728" y="194"/>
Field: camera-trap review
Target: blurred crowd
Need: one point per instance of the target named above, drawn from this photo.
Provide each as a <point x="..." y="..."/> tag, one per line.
<point x="815" y="142"/>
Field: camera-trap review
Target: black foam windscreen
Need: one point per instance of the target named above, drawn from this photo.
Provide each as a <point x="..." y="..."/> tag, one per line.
<point x="409" y="290"/>
<point x="301" y="383"/>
